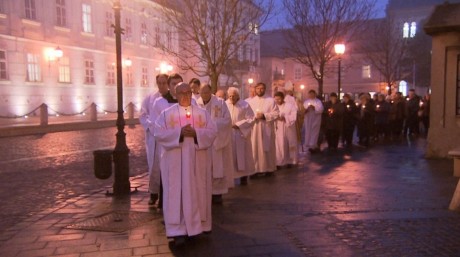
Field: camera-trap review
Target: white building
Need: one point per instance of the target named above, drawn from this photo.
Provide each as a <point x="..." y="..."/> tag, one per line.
<point x="33" y="72"/>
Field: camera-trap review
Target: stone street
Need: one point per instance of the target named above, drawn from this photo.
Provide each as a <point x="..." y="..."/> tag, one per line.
<point x="384" y="201"/>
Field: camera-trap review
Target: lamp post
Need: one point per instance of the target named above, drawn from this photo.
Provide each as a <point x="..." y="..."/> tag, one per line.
<point x="339" y="50"/>
<point x="121" y="184"/>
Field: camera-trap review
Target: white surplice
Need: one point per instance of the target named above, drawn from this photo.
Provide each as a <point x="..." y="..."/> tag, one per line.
<point x="312" y="122"/>
<point x="286" y="135"/>
<point x="243" y="117"/>
<point x="263" y="134"/>
<point x="291" y="100"/>
<point x="185" y="176"/>
<point x="221" y="150"/>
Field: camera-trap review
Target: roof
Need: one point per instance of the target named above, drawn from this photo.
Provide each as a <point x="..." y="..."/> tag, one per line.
<point x="445" y="18"/>
<point x="403" y="4"/>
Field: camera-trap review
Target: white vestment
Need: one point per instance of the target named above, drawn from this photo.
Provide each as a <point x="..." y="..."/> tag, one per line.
<point x="221" y="150"/>
<point x="147" y="121"/>
<point x="312" y="122"/>
<point x="286" y="135"/>
<point x="243" y="117"/>
<point x="195" y="97"/>
<point x="291" y="100"/>
<point x="185" y="176"/>
<point x="263" y="134"/>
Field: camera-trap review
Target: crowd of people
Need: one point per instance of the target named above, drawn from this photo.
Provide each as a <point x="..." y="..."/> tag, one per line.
<point x="199" y="144"/>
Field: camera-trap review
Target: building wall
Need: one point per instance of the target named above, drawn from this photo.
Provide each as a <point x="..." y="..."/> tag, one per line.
<point x="444" y="133"/>
<point x="20" y="35"/>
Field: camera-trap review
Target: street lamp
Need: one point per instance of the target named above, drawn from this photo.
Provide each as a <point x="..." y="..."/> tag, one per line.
<point x="339" y="50"/>
<point x="250" y="81"/>
<point x="128" y="62"/>
<point x="121" y="184"/>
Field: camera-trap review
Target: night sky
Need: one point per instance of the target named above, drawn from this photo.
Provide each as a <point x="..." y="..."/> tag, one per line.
<point x="278" y="20"/>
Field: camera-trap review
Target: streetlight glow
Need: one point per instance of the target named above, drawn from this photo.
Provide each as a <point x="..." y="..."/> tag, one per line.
<point x="128" y="62"/>
<point x="58" y="53"/>
<point x="302" y="87"/>
<point x="339" y="49"/>
<point x="250" y="80"/>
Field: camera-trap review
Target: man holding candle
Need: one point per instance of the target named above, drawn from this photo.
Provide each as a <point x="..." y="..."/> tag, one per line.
<point x="312" y="121"/>
<point x="333" y="120"/>
<point x="382" y="110"/>
<point x="242" y="124"/>
<point x="185" y="133"/>
<point x="263" y="133"/>
<point x="350" y="116"/>
<point x="221" y="150"/>
<point x="286" y="133"/>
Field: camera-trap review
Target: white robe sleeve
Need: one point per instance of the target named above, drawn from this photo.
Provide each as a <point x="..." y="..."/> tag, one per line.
<point x="205" y="136"/>
<point x="318" y="107"/>
<point x="224" y="124"/>
<point x="273" y="114"/>
<point x="144" y="117"/>
<point x="167" y="137"/>
<point x="291" y="114"/>
<point x="247" y="123"/>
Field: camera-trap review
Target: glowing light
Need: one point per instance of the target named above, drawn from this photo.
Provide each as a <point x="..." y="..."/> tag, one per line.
<point x="165" y="68"/>
<point x="128" y="62"/>
<point x="250" y="80"/>
<point x="58" y="53"/>
<point x="339" y="49"/>
<point x="25" y="117"/>
<point x="83" y="113"/>
<point x="105" y="112"/>
<point x="302" y="87"/>
<point x="57" y="115"/>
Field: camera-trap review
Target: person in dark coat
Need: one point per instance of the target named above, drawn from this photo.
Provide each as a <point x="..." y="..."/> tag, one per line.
<point x="382" y="111"/>
<point x="333" y="118"/>
<point x="365" y="120"/>
<point x="425" y="112"/>
<point x="397" y="115"/>
<point x="412" y="118"/>
<point x="350" y="117"/>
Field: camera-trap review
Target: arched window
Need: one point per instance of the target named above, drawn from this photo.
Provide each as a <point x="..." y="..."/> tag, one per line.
<point x="413" y="29"/>
<point x="406" y="30"/>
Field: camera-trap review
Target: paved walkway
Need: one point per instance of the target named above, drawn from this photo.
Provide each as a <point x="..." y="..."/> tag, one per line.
<point x="385" y="201"/>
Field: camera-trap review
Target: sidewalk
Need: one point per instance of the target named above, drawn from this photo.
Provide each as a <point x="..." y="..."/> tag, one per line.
<point x="385" y="201"/>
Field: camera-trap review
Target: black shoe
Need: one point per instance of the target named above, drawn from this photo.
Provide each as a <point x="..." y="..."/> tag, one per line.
<point x="244" y="180"/>
<point x="217" y="199"/>
<point x="179" y="241"/>
<point x="153" y="199"/>
<point x="269" y="174"/>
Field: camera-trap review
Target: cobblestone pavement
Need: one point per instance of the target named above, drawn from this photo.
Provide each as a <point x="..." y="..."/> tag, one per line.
<point x="384" y="201"/>
<point x="40" y="171"/>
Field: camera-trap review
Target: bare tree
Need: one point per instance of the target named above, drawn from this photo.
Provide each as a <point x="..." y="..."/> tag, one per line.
<point x="317" y="25"/>
<point x="212" y="31"/>
<point x="385" y="49"/>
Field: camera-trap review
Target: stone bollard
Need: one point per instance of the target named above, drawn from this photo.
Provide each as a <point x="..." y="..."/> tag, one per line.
<point x="93" y="112"/>
<point x="455" y="202"/>
<point x="130" y="111"/>
<point x="43" y="115"/>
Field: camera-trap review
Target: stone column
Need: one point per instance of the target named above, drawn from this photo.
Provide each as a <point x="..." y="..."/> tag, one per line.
<point x="93" y="112"/>
<point x="130" y="111"/>
<point x="43" y="115"/>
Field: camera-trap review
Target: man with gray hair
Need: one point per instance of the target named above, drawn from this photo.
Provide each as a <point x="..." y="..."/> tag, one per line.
<point x="242" y="123"/>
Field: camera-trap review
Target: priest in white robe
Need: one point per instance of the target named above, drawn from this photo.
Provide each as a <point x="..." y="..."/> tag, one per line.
<point x="195" y="85"/>
<point x="289" y="94"/>
<point x="160" y="104"/>
<point x="221" y="150"/>
<point x="263" y="133"/>
<point x="286" y="132"/>
<point x="312" y="121"/>
<point x="147" y="120"/>
<point x="185" y="133"/>
<point x="242" y="124"/>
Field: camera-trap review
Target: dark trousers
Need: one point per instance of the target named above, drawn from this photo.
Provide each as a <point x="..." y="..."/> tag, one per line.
<point x="332" y="137"/>
<point x="347" y="135"/>
<point x="412" y="125"/>
<point x="382" y="129"/>
<point x="364" y="134"/>
<point x="396" y="127"/>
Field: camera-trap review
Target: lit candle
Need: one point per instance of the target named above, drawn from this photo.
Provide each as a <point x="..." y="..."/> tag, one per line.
<point x="348" y="106"/>
<point x="331" y="111"/>
<point x="421" y="103"/>
<point x="364" y="107"/>
<point x="188" y="115"/>
<point x="378" y="106"/>
<point x="357" y="104"/>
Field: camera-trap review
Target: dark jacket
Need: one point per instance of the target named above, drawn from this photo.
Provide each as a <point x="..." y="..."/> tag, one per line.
<point x="397" y="110"/>
<point x="382" y="111"/>
<point x="350" y="114"/>
<point x="333" y="115"/>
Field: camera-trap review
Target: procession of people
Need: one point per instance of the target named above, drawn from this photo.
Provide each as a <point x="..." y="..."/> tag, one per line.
<point x="200" y="145"/>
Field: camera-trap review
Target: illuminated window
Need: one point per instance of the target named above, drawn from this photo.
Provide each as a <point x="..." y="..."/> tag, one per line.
<point x="144" y="33"/>
<point x="110" y="74"/>
<point x="64" y="70"/>
<point x="406" y="30"/>
<point x="86" y="18"/>
<point x="31" y="11"/>
<point x="413" y="29"/>
<point x="298" y="73"/>
<point x="366" y="72"/>
<point x="157" y="37"/>
<point x="254" y="28"/>
<point x="403" y="87"/>
<point x="61" y="19"/>
<point x="33" y="67"/>
<point x="108" y="24"/>
<point x="3" y="69"/>
<point x="145" y="77"/>
<point x="129" y="77"/>
<point x="89" y="71"/>
<point x="128" y="30"/>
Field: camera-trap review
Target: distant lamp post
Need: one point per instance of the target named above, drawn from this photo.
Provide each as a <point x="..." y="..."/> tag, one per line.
<point x="339" y="50"/>
<point x="53" y="54"/>
<point x="128" y="62"/>
<point x="165" y="68"/>
<point x="121" y="184"/>
<point x="58" y="53"/>
<point x="250" y="81"/>
<point x="302" y="87"/>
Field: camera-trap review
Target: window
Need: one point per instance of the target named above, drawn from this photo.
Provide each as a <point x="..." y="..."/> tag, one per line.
<point x="143" y="33"/>
<point x="31" y="11"/>
<point x="406" y="30"/>
<point x="61" y="13"/>
<point x="145" y="77"/>
<point x="458" y="86"/>
<point x="86" y="18"/>
<point x="89" y="71"/>
<point x="128" y="30"/>
<point x="298" y="73"/>
<point x="366" y="72"/>
<point x="413" y="29"/>
<point x="33" y="67"/>
<point x="254" y="28"/>
<point x="110" y="74"/>
<point x="108" y="24"/>
<point x="157" y="37"/>
<point x="3" y="70"/>
<point x="129" y="77"/>
<point x="64" y="70"/>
